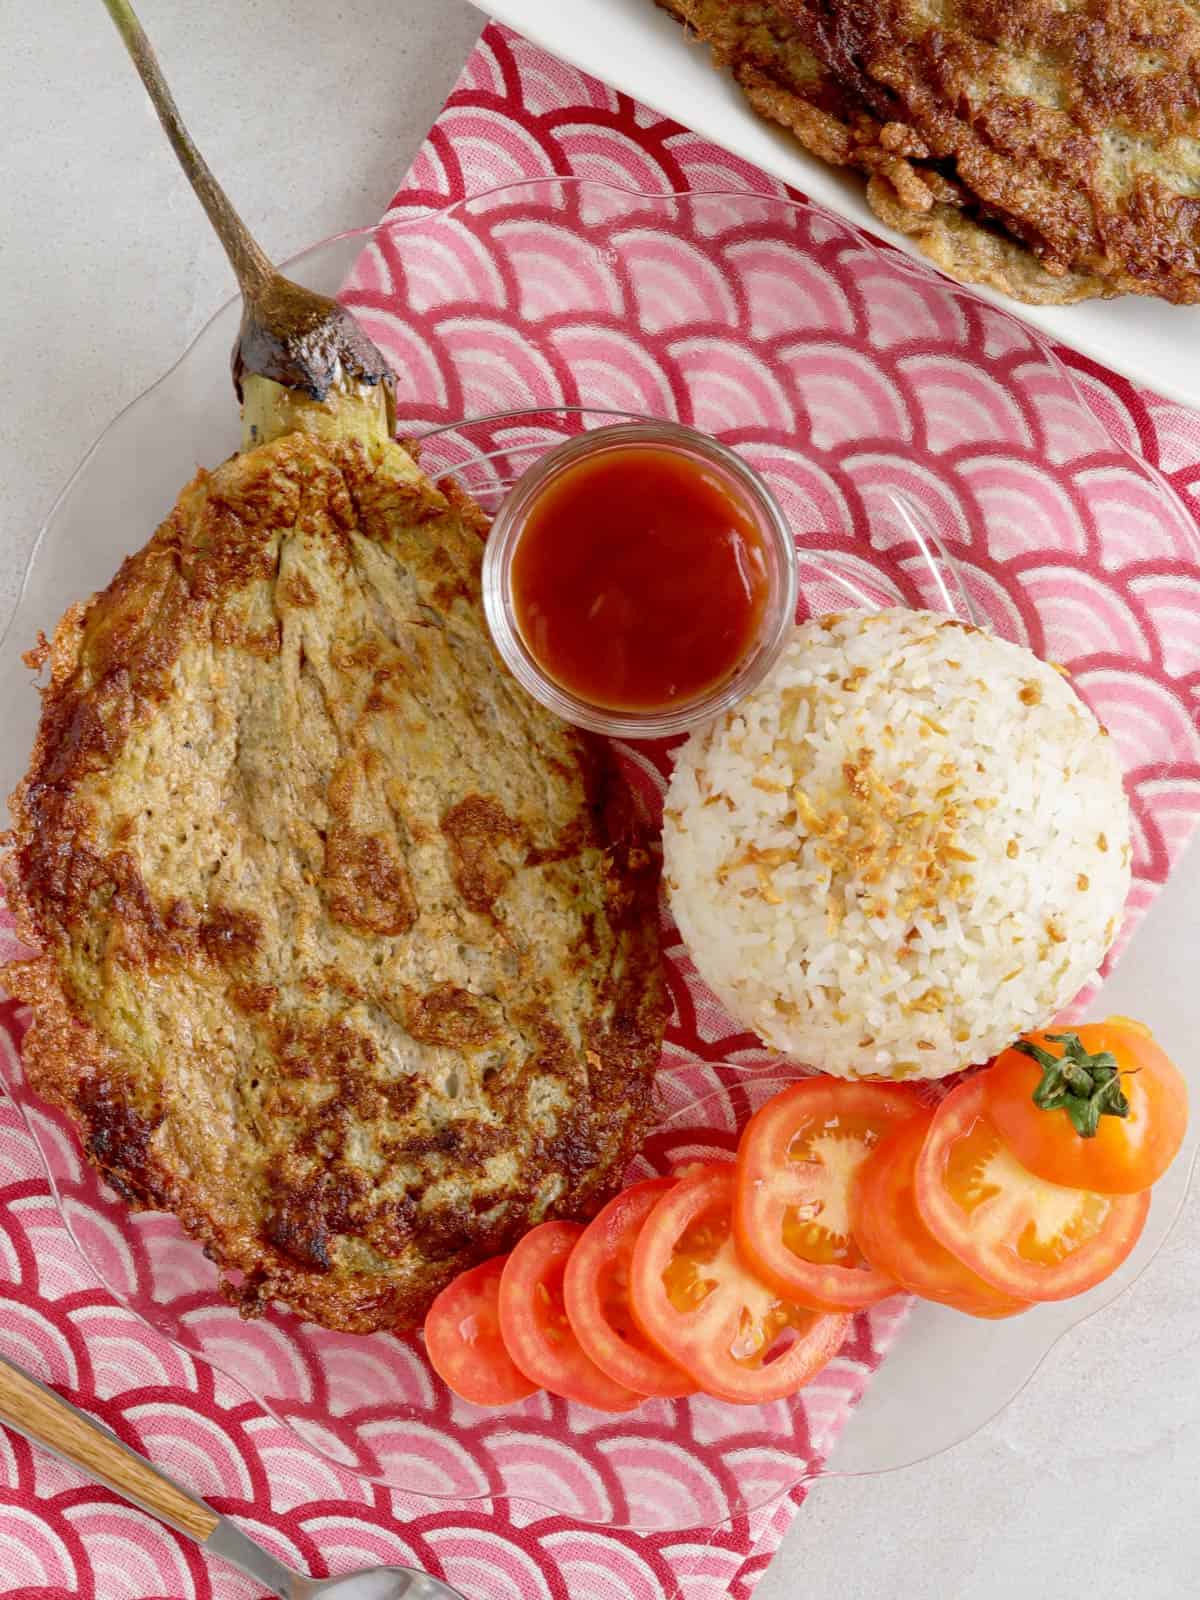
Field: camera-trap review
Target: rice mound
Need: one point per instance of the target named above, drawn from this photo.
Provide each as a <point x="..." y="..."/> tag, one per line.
<point x="909" y="845"/>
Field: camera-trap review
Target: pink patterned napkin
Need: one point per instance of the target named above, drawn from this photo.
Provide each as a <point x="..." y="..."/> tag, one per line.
<point x="517" y="114"/>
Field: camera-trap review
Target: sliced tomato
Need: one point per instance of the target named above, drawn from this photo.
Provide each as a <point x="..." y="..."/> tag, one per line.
<point x="693" y="1296"/>
<point x="1141" y="1122"/>
<point x="1026" y="1237"/>
<point x="888" y="1229"/>
<point x="596" y="1295"/>
<point x="463" y="1340"/>
<point x="535" y="1328"/>
<point x="797" y="1162"/>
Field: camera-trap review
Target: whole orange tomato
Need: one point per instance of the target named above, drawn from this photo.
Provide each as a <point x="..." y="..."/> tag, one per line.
<point x="1099" y="1107"/>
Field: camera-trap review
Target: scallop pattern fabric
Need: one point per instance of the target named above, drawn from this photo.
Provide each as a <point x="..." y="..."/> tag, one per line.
<point x="857" y="383"/>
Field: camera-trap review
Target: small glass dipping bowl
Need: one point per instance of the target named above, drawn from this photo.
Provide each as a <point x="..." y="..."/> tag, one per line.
<point x="739" y="482"/>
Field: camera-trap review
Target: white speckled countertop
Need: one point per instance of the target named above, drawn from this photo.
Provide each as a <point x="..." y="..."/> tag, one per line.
<point x="1085" y="1488"/>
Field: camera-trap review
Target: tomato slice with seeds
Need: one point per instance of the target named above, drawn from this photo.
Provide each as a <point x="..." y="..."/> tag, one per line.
<point x="535" y="1328"/>
<point x="797" y="1162"/>
<point x="463" y="1341"/>
<point x="693" y="1296"/>
<point x="888" y="1229"/>
<point x="596" y="1296"/>
<point x="1026" y="1237"/>
<point x="1141" y="1117"/>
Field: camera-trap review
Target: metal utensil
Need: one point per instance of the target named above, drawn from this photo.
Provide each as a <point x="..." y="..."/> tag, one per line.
<point x="45" y="1418"/>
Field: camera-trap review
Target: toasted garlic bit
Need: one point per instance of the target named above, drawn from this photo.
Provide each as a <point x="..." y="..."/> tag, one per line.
<point x="933" y="1000"/>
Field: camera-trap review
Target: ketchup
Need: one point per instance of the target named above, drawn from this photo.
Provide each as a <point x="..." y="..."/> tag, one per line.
<point x="639" y="579"/>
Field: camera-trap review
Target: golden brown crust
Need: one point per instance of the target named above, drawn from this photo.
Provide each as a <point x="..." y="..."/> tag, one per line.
<point x="1046" y="151"/>
<point x="348" y="953"/>
<point x="966" y="249"/>
<point x="1074" y="126"/>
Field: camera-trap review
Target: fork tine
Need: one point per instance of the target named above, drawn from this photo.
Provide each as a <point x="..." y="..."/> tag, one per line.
<point x="925" y="537"/>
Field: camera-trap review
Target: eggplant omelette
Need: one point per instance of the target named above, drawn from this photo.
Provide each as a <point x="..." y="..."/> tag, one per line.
<point x="346" y="951"/>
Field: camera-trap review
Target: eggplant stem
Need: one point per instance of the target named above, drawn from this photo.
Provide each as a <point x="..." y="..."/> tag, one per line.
<point x="290" y="335"/>
<point x="251" y="264"/>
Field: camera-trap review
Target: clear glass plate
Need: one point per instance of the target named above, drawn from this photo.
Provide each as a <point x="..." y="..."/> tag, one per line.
<point x="927" y="450"/>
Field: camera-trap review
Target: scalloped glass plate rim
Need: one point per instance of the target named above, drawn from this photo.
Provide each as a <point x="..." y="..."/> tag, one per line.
<point x="1099" y="1298"/>
<point x="895" y="258"/>
<point x="642" y="52"/>
<point x="763" y="1078"/>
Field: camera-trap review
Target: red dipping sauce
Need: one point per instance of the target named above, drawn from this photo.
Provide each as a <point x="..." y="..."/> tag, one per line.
<point x="640" y="578"/>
